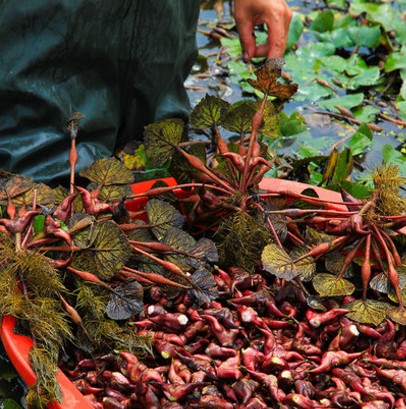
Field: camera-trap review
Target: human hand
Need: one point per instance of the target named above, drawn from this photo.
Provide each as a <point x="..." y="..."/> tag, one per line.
<point x="276" y="14"/>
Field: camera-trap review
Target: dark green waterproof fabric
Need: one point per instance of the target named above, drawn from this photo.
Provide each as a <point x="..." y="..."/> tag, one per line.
<point x="121" y="63"/>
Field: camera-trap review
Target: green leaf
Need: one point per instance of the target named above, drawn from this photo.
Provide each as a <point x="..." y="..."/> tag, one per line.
<point x="276" y="261"/>
<point x="126" y="301"/>
<point x="344" y="166"/>
<point x="323" y="22"/>
<point x="307" y="266"/>
<point x="334" y="63"/>
<point x="366" y="36"/>
<point x="366" y="114"/>
<point x="327" y="285"/>
<point x="39" y="223"/>
<point x="295" y="30"/>
<point x="9" y="403"/>
<point x="164" y="216"/>
<point x="207" y="112"/>
<point x="398" y="315"/>
<point x="339" y="37"/>
<point x="392" y="156"/>
<point x="180" y="240"/>
<point x="376" y="12"/>
<point x="396" y="61"/>
<point x="360" y="141"/>
<point x="348" y="101"/>
<point x="239" y="117"/>
<point x="368" y="77"/>
<point x="105" y="249"/>
<point x="312" y="51"/>
<point x="109" y="171"/>
<point x="291" y="125"/>
<point x="161" y="138"/>
<point x="355" y="65"/>
<point x="232" y="46"/>
<point x="368" y="311"/>
<point x="402" y="108"/>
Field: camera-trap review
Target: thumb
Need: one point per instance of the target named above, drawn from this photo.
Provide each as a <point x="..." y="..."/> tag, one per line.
<point x="247" y="40"/>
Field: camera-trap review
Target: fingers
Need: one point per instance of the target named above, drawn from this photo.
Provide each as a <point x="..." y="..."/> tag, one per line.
<point x="276" y="14"/>
<point x="247" y="39"/>
<point x="278" y="31"/>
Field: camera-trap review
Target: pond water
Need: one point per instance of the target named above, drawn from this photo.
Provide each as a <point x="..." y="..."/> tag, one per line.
<point x="324" y="131"/>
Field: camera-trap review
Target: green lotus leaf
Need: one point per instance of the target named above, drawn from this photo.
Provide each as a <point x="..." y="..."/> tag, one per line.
<point x="327" y="285"/>
<point x="161" y="139"/>
<point x="109" y="171"/>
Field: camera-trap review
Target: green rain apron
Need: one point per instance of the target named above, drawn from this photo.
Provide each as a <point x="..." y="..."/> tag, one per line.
<point x="121" y="63"/>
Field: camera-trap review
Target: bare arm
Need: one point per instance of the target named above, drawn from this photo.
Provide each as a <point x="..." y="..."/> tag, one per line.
<point x="276" y="14"/>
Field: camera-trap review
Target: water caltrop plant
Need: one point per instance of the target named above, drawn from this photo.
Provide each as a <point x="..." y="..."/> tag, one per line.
<point x="77" y="265"/>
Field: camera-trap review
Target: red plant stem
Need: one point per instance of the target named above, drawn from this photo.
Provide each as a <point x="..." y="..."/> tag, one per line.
<point x="73" y="158"/>
<point x="160" y="190"/>
<point x="154" y="277"/>
<point x="173" y="268"/>
<point x="322" y="249"/>
<point x="200" y="166"/>
<point x="393" y="275"/>
<point x="344" y="215"/>
<point x="350" y="256"/>
<point x="366" y="267"/>
<point x="311" y="200"/>
<point x="256" y="123"/>
<point x="395" y="254"/>
<point x="377" y="254"/>
<point x="29" y="229"/>
<point x="270" y="225"/>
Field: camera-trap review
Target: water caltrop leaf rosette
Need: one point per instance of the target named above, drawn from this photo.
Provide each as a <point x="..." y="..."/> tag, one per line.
<point x="161" y="139"/>
<point x="162" y="216"/>
<point x="278" y="262"/>
<point x="329" y="285"/>
<point x="267" y="83"/>
<point x="103" y="253"/>
<point x="109" y="171"/>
